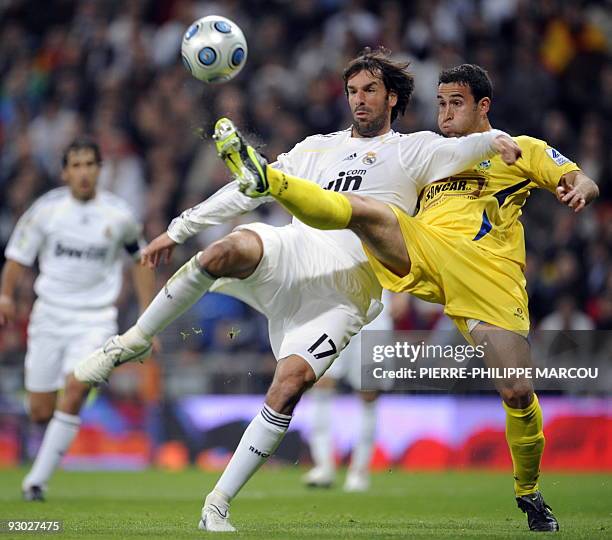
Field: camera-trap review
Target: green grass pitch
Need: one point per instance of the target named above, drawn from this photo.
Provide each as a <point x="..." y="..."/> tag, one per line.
<point x="274" y="504"/>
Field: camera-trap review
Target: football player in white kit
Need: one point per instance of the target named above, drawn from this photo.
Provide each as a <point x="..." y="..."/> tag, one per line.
<point x="315" y="287"/>
<point x="79" y="236"/>
<point x="347" y="368"/>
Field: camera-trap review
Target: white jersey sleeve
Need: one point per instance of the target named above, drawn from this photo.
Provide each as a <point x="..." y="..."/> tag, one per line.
<point x="429" y="157"/>
<point x="28" y="237"/>
<point x="222" y="206"/>
<point x="133" y="238"/>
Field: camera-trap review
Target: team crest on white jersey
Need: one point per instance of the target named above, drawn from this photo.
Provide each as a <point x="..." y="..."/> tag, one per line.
<point x="369" y="158"/>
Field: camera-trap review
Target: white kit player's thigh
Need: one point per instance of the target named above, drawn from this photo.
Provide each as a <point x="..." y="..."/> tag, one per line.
<point x="81" y="346"/>
<point x="339" y="369"/>
<point x="266" y="288"/>
<point x="43" y="362"/>
<point x="59" y="337"/>
<point x="349" y="365"/>
<point x="320" y="338"/>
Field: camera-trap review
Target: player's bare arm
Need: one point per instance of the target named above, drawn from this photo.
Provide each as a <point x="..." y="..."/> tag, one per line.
<point x="11" y="274"/>
<point x="576" y="190"/>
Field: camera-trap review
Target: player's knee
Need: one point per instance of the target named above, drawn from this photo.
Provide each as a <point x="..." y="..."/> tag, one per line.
<point x="75" y="393"/>
<point x="291" y="380"/>
<point x="235" y="255"/>
<point x="518" y="396"/>
<point x="40" y="413"/>
<point x="216" y="258"/>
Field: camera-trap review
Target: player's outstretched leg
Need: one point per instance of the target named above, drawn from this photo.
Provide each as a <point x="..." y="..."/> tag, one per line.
<point x="236" y="255"/>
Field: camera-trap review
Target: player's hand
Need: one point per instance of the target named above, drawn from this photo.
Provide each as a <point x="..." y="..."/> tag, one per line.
<point x="7" y="310"/>
<point x="571" y="196"/>
<point x="158" y="251"/>
<point x="507" y="149"/>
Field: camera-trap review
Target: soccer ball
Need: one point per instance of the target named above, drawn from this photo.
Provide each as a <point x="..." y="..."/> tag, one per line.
<point x="214" y="49"/>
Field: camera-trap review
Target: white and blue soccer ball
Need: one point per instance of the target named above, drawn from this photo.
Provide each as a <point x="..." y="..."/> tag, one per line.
<point x="214" y="49"/>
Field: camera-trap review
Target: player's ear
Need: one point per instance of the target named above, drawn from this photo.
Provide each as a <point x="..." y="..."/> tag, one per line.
<point x="392" y="98"/>
<point x="484" y="105"/>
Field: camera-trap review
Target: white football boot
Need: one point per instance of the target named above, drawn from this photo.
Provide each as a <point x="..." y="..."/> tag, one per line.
<point x="97" y="367"/>
<point x="215" y="516"/>
<point x="319" y="477"/>
<point x="356" y="482"/>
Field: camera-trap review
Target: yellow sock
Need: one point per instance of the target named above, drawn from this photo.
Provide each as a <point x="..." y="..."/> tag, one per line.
<point x="526" y="441"/>
<point x="309" y="202"/>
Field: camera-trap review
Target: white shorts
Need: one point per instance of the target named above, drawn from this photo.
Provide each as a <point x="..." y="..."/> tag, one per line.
<point x="314" y="297"/>
<point x="348" y="366"/>
<point x="58" y="338"/>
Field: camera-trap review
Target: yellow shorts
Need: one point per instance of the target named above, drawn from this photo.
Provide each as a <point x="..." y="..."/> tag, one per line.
<point x="453" y="270"/>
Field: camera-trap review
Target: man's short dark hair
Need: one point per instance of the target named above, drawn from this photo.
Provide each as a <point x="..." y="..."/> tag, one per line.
<point x="393" y="74"/>
<point x="82" y="143"/>
<point x="471" y="75"/>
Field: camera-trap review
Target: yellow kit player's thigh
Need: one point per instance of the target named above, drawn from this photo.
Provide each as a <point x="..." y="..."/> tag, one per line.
<point x="479" y="285"/>
<point x="426" y="249"/>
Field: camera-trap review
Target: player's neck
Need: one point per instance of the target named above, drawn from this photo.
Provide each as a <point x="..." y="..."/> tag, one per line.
<point x="80" y="199"/>
<point x="483" y="126"/>
<point x="355" y="134"/>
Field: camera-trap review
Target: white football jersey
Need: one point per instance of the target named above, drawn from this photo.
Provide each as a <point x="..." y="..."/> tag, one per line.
<point x="392" y="168"/>
<point x="79" y="247"/>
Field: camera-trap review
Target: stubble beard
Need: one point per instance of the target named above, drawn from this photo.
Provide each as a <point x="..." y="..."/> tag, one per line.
<point x="370" y="128"/>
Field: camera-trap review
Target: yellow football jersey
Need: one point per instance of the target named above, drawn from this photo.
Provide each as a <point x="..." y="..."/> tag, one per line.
<point x="485" y="203"/>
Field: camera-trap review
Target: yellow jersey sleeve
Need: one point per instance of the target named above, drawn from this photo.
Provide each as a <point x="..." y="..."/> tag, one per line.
<point x="543" y="164"/>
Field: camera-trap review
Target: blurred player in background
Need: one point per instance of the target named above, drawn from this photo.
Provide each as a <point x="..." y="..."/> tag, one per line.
<point x="316" y="288"/>
<point x="464" y="249"/>
<point x="347" y="368"/>
<point x="79" y="236"/>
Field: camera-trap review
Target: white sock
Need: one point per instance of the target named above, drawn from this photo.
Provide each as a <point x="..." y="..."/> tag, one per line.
<point x="362" y="453"/>
<point x="321" y="444"/>
<point x="180" y="292"/>
<point x="259" y="441"/>
<point x="60" y="433"/>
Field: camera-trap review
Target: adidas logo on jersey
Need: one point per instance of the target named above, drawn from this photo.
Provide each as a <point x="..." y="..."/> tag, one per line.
<point x="352" y="156"/>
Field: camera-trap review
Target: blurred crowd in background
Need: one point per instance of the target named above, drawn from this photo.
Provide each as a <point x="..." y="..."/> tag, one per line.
<point x="112" y="69"/>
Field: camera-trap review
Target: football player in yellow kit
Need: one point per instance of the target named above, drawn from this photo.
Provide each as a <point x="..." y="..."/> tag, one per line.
<point x="464" y="249"/>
